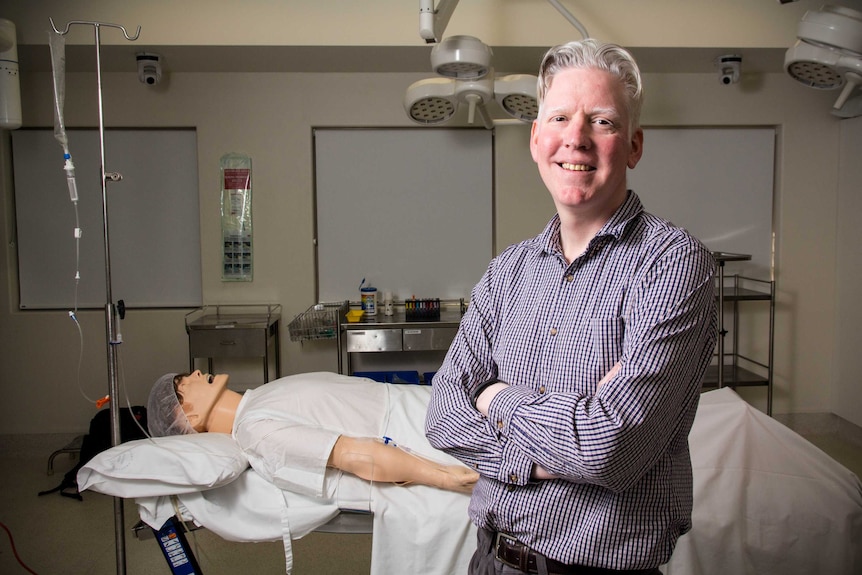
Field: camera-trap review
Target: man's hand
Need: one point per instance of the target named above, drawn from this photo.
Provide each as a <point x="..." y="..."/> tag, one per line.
<point x="488" y="394"/>
<point x="540" y="472"/>
<point x="610" y="375"/>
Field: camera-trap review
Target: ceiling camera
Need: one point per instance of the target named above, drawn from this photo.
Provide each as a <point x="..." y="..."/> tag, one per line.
<point x="149" y="68"/>
<point x="729" y="68"/>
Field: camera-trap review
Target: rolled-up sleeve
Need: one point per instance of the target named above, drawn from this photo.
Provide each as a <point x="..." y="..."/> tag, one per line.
<point x="292" y="457"/>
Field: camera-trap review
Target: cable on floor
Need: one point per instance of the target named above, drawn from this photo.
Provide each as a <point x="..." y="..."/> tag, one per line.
<point x="15" y="551"/>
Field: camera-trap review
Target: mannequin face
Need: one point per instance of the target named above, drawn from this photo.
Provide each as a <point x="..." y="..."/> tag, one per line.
<point x="198" y="393"/>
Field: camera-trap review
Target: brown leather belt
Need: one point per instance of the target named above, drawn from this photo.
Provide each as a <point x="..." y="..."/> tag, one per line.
<point x="513" y="553"/>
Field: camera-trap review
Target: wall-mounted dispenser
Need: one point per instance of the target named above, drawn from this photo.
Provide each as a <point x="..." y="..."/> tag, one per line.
<point x="10" y="86"/>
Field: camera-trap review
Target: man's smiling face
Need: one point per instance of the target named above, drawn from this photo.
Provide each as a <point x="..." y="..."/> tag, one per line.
<point x="581" y="141"/>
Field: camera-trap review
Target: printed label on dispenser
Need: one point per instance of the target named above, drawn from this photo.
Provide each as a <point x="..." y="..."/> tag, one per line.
<point x="368" y="298"/>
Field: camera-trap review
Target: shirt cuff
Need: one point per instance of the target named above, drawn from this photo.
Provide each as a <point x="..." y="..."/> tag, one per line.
<point x="516" y="465"/>
<point x="482" y="387"/>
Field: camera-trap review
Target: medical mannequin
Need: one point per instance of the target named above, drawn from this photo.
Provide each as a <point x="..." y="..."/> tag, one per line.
<point x="207" y="405"/>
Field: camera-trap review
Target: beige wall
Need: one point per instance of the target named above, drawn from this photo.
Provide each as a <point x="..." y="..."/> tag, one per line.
<point x="271" y="116"/>
<point x="847" y="390"/>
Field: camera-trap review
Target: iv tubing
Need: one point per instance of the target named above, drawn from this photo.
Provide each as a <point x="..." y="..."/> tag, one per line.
<point x="57" y="44"/>
<point x="113" y="385"/>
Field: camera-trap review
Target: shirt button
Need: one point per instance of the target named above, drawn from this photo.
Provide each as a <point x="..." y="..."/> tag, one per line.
<point x="542" y="389"/>
<point x="510" y="488"/>
<point x="553" y="331"/>
<point x="570" y="278"/>
<point x="513" y="478"/>
<point x="499" y="424"/>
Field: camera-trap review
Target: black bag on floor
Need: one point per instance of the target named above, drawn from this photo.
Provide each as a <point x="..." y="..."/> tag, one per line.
<point x="98" y="439"/>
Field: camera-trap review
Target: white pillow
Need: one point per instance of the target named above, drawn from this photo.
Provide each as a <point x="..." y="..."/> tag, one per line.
<point x="164" y="466"/>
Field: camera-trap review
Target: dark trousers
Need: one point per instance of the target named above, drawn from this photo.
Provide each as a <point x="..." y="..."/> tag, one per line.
<point x="485" y="562"/>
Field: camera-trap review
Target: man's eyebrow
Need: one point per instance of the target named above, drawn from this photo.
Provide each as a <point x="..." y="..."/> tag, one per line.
<point x="612" y="112"/>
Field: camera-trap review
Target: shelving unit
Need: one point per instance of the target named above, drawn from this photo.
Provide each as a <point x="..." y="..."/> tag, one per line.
<point x="232" y="331"/>
<point x="403" y="341"/>
<point x="733" y="368"/>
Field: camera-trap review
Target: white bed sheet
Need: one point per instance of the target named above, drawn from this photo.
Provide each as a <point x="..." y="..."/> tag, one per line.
<point x="417" y="529"/>
<point x="765" y="501"/>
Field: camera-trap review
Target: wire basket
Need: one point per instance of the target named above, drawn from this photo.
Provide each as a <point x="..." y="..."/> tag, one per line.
<point x="317" y="322"/>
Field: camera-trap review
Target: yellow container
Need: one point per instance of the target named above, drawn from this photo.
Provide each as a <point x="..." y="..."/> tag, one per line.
<point x="355" y="315"/>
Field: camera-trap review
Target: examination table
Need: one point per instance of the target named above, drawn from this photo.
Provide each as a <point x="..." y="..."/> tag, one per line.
<point x="766" y="501"/>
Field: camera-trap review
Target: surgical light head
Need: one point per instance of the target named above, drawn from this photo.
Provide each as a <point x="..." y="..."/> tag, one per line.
<point x="461" y="57"/>
<point x="431" y="101"/>
<point x="466" y="77"/>
<point x="436" y="100"/>
<point x="165" y="415"/>
<point x="516" y="95"/>
<point x="828" y="52"/>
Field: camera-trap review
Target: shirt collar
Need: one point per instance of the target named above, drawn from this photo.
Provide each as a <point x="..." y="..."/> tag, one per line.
<point x="549" y="239"/>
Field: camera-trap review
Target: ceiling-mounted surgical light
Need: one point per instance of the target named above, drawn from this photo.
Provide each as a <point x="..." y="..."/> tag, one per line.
<point x="435" y="100"/>
<point x="468" y="78"/>
<point x="476" y="94"/>
<point x="433" y="20"/>
<point x="851" y="108"/>
<point x="461" y="57"/>
<point x="431" y="101"/>
<point x="516" y="94"/>
<point x="465" y="64"/>
<point x="828" y="53"/>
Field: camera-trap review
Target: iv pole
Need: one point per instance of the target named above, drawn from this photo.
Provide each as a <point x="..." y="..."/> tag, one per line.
<point x="113" y="386"/>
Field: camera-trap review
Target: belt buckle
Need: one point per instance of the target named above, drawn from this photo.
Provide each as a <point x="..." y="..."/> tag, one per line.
<point x="523" y="555"/>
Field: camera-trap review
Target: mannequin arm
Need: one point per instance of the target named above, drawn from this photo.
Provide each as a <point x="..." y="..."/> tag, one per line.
<point x="373" y="460"/>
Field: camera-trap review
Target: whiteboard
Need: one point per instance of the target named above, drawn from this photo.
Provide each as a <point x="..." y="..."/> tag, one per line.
<point x="718" y="184"/>
<point x="408" y="210"/>
<point x="153" y="215"/>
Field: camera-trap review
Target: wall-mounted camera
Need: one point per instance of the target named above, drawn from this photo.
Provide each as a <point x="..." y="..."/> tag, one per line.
<point x="729" y="68"/>
<point x="149" y="68"/>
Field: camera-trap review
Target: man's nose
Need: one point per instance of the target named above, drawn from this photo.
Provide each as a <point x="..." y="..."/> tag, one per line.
<point x="577" y="134"/>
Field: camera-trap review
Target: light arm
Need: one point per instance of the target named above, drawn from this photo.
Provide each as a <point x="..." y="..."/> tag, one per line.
<point x="374" y="460"/>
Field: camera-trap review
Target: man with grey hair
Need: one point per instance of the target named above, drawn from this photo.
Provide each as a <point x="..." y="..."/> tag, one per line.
<point x="574" y="378"/>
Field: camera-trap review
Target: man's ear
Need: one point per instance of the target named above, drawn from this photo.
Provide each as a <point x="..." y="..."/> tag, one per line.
<point x="637" y="148"/>
<point x="534" y="140"/>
